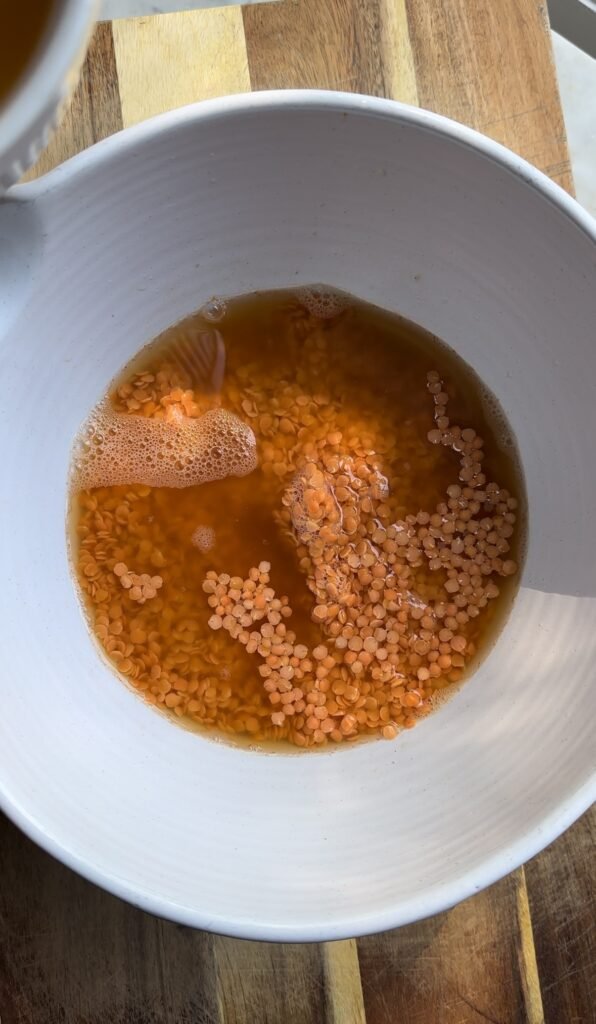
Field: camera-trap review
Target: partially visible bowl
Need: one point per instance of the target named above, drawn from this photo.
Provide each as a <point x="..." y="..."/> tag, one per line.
<point x="28" y="114"/>
<point x="414" y="213"/>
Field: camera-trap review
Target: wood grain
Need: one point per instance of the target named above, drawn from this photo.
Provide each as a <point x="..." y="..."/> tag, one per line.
<point x="263" y="983"/>
<point x="523" y="952"/>
<point x="343" y="984"/>
<point x="526" y="949"/>
<point x="490" y="65"/>
<point x="289" y="983"/>
<point x="72" y="954"/>
<point x="460" y="966"/>
<point x="396" y="47"/>
<point x="346" y="44"/>
<point x="562" y="902"/>
<point x="94" y="111"/>
<point x="206" y="46"/>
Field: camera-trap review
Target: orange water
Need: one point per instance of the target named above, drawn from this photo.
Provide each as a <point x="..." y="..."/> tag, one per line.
<point x="292" y="377"/>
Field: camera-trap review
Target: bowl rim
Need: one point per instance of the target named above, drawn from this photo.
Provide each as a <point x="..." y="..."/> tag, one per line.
<point x="444" y="895"/>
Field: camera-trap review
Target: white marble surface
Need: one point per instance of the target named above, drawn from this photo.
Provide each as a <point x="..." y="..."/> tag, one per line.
<point x="577" y="82"/>
<point x="134" y="8"/>
<point x="576" y="72"/>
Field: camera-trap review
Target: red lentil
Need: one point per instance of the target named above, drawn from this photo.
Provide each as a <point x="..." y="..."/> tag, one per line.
<point x="397" y="597"/>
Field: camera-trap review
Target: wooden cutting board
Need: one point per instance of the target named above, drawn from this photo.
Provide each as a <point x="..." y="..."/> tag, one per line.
<point x="522" y="951"/>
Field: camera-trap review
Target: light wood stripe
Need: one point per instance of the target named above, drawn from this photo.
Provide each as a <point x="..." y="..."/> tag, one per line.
<point x="398" y="59"/>
<point x="343" y="986"/>
<point x="528" y="964"/>
<point x="174" y="59"/>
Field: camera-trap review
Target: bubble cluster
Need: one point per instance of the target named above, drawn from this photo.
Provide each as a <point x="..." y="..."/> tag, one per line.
<point x="214" y="310"/>
<point x="324" y="303"/>
<point x="494" y="413"/>
<point x="203" y="538"/>
<point x="118" y="449"/>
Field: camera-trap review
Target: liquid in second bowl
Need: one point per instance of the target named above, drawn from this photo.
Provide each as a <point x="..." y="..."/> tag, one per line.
<point x="23" y="25"/>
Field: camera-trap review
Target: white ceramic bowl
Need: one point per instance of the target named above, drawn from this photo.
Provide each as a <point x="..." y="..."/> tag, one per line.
<point x="29" y="113"/>
<point x="417" y="214"/>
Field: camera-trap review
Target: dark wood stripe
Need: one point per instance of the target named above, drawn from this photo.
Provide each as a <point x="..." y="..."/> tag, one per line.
<point x="262" y="983"/>
<point x="562" y="896"/>
<point x="489" y="65"/>
<point x="94" y="112"/>
<point x="460" y="967"/>
<point x="316" y="45"/>
<point x="72" y="954"/>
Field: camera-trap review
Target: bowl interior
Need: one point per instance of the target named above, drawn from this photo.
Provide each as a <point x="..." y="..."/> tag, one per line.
<point x="265" y="193"/>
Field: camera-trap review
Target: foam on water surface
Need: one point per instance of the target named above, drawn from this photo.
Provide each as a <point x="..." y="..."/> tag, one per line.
<point x="119" y="449"/>
<point x="324" y="303"/>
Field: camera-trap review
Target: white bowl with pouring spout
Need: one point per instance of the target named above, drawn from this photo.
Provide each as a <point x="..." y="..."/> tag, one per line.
<point x="401" y="208"/>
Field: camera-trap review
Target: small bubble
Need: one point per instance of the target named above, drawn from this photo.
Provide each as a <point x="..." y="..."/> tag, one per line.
<point x="322" y="302"/>
<point x="214" y="310"/>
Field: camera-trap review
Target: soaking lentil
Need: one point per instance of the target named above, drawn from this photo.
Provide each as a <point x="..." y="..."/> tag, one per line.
<point x="355" y="576"/>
